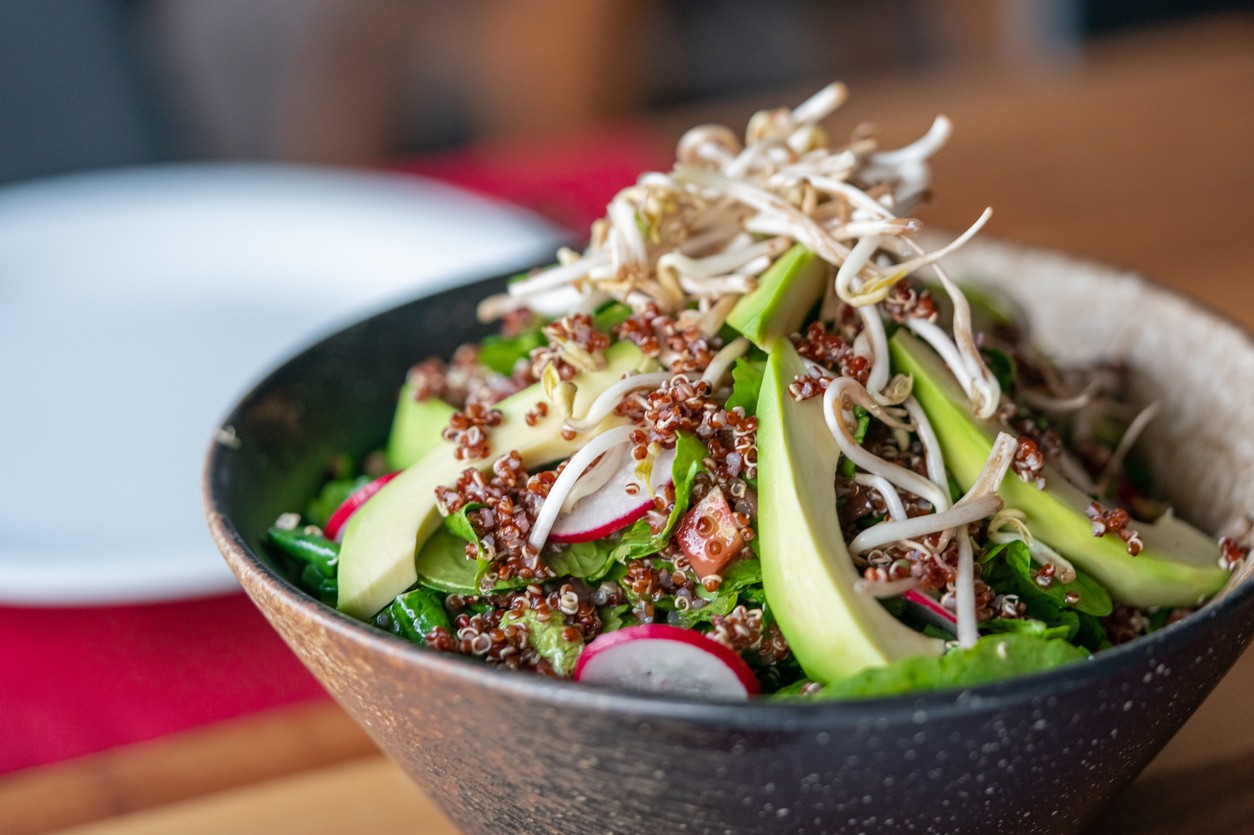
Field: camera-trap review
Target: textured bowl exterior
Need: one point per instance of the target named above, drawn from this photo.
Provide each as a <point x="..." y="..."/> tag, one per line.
<point x="503" y="751"/>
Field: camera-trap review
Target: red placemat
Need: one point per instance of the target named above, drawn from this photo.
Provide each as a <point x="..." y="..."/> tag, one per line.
<point x="78" y="680"/>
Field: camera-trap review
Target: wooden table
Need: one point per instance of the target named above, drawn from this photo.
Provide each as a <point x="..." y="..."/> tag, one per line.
<point x="1139" y="154"/>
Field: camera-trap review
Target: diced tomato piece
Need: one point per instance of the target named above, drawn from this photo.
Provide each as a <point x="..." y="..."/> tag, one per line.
<point x="708" y="534"/>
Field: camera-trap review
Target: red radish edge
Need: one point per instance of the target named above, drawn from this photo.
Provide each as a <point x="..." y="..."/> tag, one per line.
<point x="933" y="609"/>
<point x="606" y="529"/>
<point x="661" y="633"/>
<point x="563" y="530"/>
<point x="335" y="525"/>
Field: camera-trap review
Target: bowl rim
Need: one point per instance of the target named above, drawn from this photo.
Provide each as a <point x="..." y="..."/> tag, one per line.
<point x="753" y="714"/>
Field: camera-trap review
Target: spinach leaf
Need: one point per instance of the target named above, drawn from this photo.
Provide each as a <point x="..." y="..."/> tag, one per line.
<point x="639" y="540"/>
<point x="459" y="523"/>
<point x="548" y="639"/>
<point x="993" y="658"/>
<point x="317" y="557"/>
<point x="747" y="377"/>
<point x="585" y="560"/>
<point x="332" y="495"/>
<point x="413" y="615"/>
<point x="441" y="563"/>
<point x="501" y="353"/>
<point x="1008" y="569"/>
<point x="1015" y="556"/>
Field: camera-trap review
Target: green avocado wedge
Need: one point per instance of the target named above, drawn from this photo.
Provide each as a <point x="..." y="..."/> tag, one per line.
<point x="785" y="294"/>
<point x="1179" y="565"/>
<point x="809" y="577"/>
<point x="377" y="556"/>
<point x="417" y="427"/>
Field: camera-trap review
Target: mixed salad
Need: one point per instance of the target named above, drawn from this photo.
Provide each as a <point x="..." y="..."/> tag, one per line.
<point x="755" y="439"/>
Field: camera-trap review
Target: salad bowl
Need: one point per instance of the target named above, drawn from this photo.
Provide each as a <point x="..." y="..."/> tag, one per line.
<point x="502" y="751"/>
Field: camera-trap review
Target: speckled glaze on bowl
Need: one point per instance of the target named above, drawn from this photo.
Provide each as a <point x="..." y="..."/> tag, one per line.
<point x="506" y="752"/>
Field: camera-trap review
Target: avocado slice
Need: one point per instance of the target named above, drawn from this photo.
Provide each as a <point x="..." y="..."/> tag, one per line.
<point x="380" y="540"/>
<point x="785" y="294"/>
<point x="417" y="427"/>
<point x="1179" y="565"/>
<point x="808" y="574"/>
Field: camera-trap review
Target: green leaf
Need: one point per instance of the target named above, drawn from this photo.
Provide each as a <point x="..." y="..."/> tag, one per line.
<point x="614" y="617"/>
<point x="610" y="315"/>
<point x="1008" y="569"/>
<point x="501" y="353"/>
<point x="459" y="524"/>
<point x="993" y="658"/>
<point x="1023" y="626"/>
<point x="1094" y="599"/>
<point x="746" y="384"/>
<point x="317" y="557"/>
<point x="442" y="564"/>
<point x="332" y="495"/>
<point x="742" y="584"/>
<point x="639" y="540"/>
<point x="413" y="615"/>
<point x="741" y="574"/>
<point x="548" y="639"/>
<point x="719" y="603"/>
<point x="585" y="560"/>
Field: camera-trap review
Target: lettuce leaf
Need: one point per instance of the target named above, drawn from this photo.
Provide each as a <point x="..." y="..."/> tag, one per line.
<point x="993" y="658"/>
<point x="548" y="639"/>
<point x="747" y="377"/>
<point x="742" y="584"/>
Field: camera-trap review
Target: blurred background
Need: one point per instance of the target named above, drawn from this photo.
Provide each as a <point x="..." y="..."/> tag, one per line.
<point x="88" y="83"/>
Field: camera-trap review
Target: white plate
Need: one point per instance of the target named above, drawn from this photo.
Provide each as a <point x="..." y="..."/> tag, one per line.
<point x="135" y="305"/>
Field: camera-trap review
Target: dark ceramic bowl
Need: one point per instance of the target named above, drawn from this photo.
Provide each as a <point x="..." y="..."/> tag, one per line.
<point x="508" y="752"/>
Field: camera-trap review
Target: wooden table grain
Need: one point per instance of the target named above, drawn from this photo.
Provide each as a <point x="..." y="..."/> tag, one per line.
<point x="1140" y="153"/>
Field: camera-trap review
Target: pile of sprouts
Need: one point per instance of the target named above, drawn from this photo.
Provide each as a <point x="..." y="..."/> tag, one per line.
<point x="690" y="243"/>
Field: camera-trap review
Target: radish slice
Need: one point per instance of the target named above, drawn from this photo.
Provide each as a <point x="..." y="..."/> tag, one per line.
<point x="611" y="507"/>
<point x="335" y="525"/>
<point x="931" y="611"/>
<point x="659" y="658"/>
